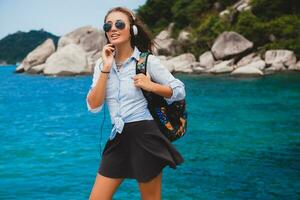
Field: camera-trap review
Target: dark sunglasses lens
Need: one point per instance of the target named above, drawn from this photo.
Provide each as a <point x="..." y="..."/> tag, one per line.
<point x="120" y="24"/>
<point x="106" y="27"/>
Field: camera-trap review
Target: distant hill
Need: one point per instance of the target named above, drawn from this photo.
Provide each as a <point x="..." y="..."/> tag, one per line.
<point x="14" y="47"/>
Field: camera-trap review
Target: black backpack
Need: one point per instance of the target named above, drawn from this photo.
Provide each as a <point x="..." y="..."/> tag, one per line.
<point x="171" y="119"/>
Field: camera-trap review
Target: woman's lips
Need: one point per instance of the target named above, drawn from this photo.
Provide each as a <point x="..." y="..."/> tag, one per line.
<point x="114" y="36"/>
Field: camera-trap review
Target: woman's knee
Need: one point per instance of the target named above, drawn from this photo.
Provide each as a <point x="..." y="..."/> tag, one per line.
<point x="104" y="187"/>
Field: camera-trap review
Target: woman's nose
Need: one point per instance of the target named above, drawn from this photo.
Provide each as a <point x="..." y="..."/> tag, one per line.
<point x="113" y="27"/>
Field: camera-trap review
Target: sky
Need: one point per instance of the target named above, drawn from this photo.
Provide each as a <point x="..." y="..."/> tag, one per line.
<point x="56" y="16"/>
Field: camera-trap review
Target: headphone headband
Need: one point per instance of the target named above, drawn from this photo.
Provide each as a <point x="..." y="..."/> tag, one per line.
<point x="131" y="13"/>
<point x="133" y="16"/>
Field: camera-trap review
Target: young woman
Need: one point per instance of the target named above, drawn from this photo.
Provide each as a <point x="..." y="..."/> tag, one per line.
<point x="136" y="148"/>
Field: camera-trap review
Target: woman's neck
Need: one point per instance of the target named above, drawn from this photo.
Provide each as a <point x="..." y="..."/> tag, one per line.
<point x="123" y="52"/>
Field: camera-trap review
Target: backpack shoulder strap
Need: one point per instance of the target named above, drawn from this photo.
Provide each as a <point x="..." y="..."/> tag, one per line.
<point x="141" y="64"/>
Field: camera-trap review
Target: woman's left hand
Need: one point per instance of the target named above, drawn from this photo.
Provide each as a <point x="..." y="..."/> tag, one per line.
<point x="143" y="81"/>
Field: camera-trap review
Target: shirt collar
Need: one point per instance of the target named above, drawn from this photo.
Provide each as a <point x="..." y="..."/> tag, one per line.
<point x="136" y="53"/>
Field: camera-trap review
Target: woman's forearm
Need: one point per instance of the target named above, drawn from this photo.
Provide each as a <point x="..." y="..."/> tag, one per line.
<point x="97" y="94"/>
<point x="162" y="90"/>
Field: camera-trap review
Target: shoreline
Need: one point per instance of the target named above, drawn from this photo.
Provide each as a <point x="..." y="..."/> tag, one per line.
<point x="203" y="74"/>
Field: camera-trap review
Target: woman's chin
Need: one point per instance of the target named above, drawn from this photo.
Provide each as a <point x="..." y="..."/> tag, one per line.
<point x="117" y="42"/>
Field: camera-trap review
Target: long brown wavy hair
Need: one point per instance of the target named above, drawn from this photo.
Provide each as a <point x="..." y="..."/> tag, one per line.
<point x="143" y="40"/>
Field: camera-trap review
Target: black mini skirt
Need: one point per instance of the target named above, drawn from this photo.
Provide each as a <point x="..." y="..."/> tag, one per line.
<point x="140" y="152"/>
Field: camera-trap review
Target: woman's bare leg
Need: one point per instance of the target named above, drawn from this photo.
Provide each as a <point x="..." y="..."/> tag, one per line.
<point x="151" y="190"/>
<point x="104" y="187"/>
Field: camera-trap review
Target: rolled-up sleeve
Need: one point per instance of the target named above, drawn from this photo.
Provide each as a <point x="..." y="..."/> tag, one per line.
<point x="94" y="82"/>
<point x="160" y="74"/>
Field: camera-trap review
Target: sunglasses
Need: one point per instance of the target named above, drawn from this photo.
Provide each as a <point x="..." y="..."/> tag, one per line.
<point x="119" y="24"/>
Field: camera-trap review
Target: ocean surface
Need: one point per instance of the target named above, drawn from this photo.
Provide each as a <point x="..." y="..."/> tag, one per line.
<point x="243" y="139"/>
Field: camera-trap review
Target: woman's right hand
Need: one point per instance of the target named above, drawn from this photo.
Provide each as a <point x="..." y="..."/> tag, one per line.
<point x="108" y="56"/>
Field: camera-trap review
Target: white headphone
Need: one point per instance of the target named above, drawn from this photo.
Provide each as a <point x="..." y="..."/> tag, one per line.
<point x="134" y="27"/>
<point x="135" y="30"/>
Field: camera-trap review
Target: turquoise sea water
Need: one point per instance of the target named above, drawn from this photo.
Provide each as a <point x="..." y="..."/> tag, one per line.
<point x="243" y="139"/>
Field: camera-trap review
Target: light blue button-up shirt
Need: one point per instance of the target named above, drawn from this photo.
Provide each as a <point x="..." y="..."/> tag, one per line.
<point x="126" y="102"/>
